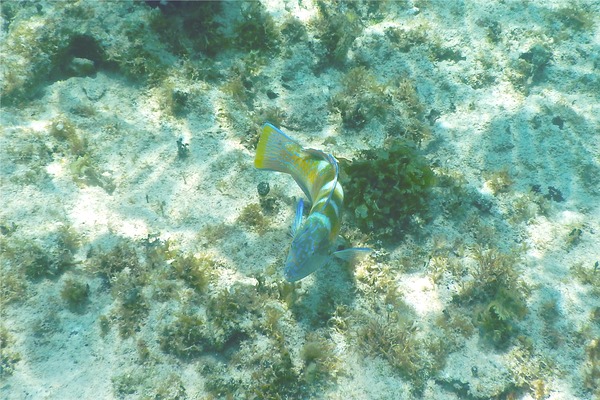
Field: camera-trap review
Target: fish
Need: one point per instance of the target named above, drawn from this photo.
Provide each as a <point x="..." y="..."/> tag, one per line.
<point x="317" y="174"/>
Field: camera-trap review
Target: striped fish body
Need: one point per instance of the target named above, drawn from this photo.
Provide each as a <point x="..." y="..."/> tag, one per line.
<point x="317" y="175"/>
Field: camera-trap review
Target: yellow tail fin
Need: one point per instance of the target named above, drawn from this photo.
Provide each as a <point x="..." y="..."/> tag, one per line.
<point x="276" y="151"/>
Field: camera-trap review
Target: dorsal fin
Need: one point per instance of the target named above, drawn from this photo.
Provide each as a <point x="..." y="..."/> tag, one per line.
<point x="298" y="218"/>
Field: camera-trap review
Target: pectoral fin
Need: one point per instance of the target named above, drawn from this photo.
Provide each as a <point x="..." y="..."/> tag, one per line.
<point x="298" y="217"/>
<point x="353" y="254"/>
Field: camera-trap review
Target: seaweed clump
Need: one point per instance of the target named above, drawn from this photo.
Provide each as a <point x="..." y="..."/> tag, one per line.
<point x="361" y="99"/>
<point x="257" y="29"/>
<point x="253" y="217"/>
<point x="497" y="294"/>
<point x="185" y="337"/>
<point x="75" y="293"/>
<point x="336" y="29"/>
<point x="37" y="262"/>
<point x="319" y="359"/>
<point x="395" y="103"/>
<point x="126" y="275"/>
<point x="64" y="130"/>
<point x="196" y="271"/>
<point x="388" y="187"/>
<point x="8" y="357"/>
<point x="86" y="172"/>
<point x="190" y="27"/>
<point x="588" y="275"/>
<point x="530" y="68"/>
<point x="394" y="336"/>
<point x="592" y="367"/>
<point x="153" y="384"/>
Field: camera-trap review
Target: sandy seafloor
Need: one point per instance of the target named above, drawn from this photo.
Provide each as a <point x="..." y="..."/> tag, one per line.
<point x="96" y="94"/>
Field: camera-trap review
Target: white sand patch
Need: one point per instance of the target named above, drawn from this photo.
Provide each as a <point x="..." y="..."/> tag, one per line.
<point x="421" y="294"/>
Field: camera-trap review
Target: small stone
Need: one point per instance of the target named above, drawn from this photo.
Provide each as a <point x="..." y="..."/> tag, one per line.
<point x="263" y="189"/>
<point x="272" y="95"/>
<point x="183" y="149"/>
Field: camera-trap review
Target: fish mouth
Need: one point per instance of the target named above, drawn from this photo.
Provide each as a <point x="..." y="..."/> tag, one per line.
<point x="290" y="277"/>
<point x="291" y="269"/>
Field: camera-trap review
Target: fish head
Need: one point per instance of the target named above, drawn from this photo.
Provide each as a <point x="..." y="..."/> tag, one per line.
<point x="310" y="249"/>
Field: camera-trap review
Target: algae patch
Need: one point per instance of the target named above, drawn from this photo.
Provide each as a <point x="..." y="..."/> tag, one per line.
<point x="388" y="187"/>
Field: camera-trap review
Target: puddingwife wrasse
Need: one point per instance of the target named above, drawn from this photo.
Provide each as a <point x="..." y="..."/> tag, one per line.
<point x="317" y="175"/>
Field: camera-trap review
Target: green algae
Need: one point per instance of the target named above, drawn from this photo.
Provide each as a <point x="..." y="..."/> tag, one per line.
<point x="361" y="99"/>
<point x="387" y="187"/>
<point x="336" y="30"/>
<point x="8" y="356"/>
<point x="75" y="293"/>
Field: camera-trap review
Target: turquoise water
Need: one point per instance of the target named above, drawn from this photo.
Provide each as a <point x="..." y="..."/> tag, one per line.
<point x="142" y="256"/>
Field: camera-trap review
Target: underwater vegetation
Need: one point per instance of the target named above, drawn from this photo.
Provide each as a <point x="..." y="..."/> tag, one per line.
<point x="319" y="359"/>
<point x="8" y="357"/>
<point x="387" y="188"/>
<point x="252" y="216"/>
<point x="498" y="181"/>
<point x="491" y="299"/>
<point x="75" y="293"/>
<point x="125" y="274"/>
<point x="159" y="385"/>
<point x="85" y="172"/>
<point x="405" y="39"/>
<point x="84" y="167"/>
<point x="25" y="262"/>
<point x="195" y="270"/>
<point x="586" y="274"/>
<point x="394" y="103"/>
<point x="38" y="52"/>
<point x="592" y="367"/>
<point x="256" y="31"/>
<point x="569" y="21"/>
<point x="108" y="264"/>
<point x="241" y="333"/>
<point x="269" y="373"/>
<point x="29" y="153"/>
<point x="336" y="30"/>
<point x="241" y="329"/>
<point x="189" y="27"/>
<point x="388" y="328"/>
<point x="231" y="314"/>
<point x="12" y="285"/>
<point x="64" y="130"/>
<point x="27" y="258"/>
<point x="63" y="47"/>
<point x="186" y="336"/>
<point x="268" y="367"/>
<point x="393" y="336"/>
<point x="496" y="294"/>
<point x="529" y="69"/>
<point x="361" y="99"/>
